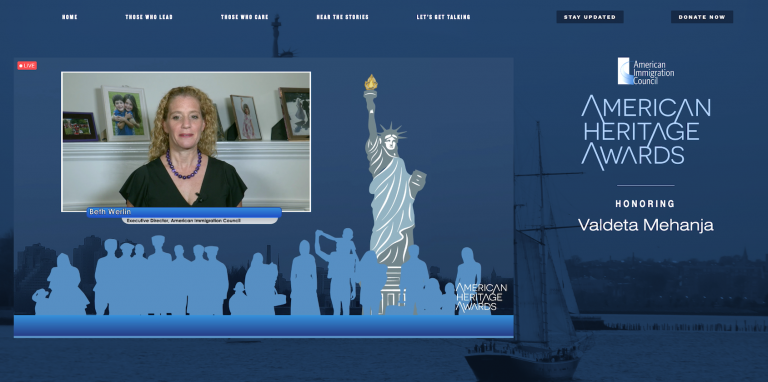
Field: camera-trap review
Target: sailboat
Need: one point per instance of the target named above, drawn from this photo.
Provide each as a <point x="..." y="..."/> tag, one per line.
<point x="546" y="346"/>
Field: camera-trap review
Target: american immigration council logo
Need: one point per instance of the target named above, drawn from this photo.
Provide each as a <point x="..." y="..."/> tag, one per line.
<point x="623" y="71"/>
<point x="641" y="72"/>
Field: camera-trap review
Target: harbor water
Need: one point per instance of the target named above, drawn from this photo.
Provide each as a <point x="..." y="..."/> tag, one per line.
<point x="616" y="356"/>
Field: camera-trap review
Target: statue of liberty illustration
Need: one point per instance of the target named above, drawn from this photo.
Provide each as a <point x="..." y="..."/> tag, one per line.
<point x="394" y="191"/>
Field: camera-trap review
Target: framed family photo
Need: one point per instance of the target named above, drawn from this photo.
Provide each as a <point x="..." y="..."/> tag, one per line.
<point x="126" y="118"/>
<point x="245" y="118"/>
<point x="78" y="127"/>
<point x="295" y="105"/>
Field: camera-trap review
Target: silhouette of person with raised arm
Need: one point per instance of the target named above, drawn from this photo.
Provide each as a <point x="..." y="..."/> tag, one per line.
<point x="260" y="286"/>
<point x="304" y="283"/>
<point x="467" y="278"/>
<point x="449" y="300"/>
<point x="341" y="270"/>
<point x="107" y="282"/>
<point x="196" y="288"/>
<point x="372" y="277"/>
<point x="65" y="298"/>
<point x="218" y="282"/>
<point x="179" y="282"/>
<point x="344" y="244"/>
<point x="239" y="303"/>
<point x="413" y="278"/>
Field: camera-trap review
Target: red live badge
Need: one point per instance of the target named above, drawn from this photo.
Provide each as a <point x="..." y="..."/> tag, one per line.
<point x="27" y="65"/>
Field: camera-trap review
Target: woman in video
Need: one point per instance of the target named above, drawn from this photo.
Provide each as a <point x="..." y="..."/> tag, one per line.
<point x="182" y="171"/>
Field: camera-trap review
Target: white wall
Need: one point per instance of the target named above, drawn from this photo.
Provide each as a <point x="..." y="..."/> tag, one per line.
<point x="277" y="173"/>
<point x="82" y="92"/>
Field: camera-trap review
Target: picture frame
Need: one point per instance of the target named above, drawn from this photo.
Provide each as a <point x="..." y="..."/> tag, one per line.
<point x="220" y="134"/>
<point x="246" y="119"/>
<point x="78" y="127"/>
<point x="115" y="106"/>
<point x="296" y="112"/>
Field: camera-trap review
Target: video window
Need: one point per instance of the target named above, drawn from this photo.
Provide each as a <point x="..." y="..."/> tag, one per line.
<point x="203" y="139"/>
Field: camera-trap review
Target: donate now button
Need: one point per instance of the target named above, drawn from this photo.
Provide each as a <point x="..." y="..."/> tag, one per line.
<point x="702" y="17"/>
<point x="590" y="17"/>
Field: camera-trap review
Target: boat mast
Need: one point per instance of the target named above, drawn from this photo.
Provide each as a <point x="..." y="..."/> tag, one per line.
<point x="545" y="325"/>
<point x="542" y="228"/>
<point x="516" y="298"/>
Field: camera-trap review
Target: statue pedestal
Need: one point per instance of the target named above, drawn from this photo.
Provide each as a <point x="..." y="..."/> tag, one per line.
<point x="390" y="294"/>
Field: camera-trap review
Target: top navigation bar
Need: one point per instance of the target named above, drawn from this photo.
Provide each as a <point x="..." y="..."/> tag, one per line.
<point x="562" y="17"/>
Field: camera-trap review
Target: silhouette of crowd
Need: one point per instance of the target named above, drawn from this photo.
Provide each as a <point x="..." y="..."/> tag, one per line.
<point x="164" y="284"/>
<point x="421" y="294"/>
<point x="160" y="283"/>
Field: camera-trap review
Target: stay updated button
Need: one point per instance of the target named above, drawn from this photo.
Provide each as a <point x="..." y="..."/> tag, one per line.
<point x="590" y="17"/>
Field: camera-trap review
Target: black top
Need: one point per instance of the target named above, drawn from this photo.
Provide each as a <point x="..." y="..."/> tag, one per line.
<point x="151" y="186"/>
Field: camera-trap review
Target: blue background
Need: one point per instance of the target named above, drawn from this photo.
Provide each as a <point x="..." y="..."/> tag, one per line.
<point x="557" y="66"/>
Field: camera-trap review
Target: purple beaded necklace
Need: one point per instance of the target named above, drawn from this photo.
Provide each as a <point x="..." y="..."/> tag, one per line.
<point x="199" y="160"/>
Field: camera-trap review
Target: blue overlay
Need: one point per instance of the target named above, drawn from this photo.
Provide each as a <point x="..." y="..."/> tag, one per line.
<point x="500" y="326"/>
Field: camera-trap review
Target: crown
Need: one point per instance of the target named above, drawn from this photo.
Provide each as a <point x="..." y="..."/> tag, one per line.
<point x="396" y="132"/>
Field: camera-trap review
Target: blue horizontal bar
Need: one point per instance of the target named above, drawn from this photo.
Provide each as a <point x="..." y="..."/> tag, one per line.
<point x="183" y="212"/>
<point x="468" y="326"/>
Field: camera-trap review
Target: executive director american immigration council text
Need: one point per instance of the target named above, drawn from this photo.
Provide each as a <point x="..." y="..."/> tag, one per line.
<point x="182" y="170"/>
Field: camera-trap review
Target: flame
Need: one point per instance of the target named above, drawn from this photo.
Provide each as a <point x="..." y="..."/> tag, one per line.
<point x="371" y="83"/>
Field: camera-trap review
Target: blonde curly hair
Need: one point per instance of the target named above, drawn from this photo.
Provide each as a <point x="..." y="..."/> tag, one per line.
<point x="207" y="143"/>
